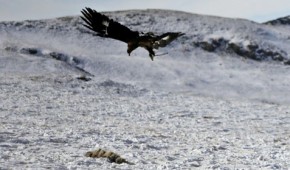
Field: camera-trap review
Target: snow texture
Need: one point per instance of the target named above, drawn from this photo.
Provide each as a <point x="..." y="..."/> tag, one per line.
<point x="65" y="92"/>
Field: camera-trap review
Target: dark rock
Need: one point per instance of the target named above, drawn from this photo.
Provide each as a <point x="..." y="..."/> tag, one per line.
<point x="207" y="46"/>
<point x="279" y="21"/>
<point x="252" y="51"/>
<point x="31" y="51"/>
<point x="11" y="49"/>
<point x="236" y="48"/>
<point x="212" y="45"/>
<point x="287" y="62"/>
<point x="84" y="78"/>
<point x="253" y="47"/>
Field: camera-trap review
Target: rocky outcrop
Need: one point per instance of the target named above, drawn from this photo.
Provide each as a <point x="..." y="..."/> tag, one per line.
<point x="279" y="21"/>
<point x="251" y="50"/>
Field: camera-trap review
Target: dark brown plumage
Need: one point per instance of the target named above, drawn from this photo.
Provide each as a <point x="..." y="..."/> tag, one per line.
<point x="112" y="157"/>
<point x="106" y="27"/>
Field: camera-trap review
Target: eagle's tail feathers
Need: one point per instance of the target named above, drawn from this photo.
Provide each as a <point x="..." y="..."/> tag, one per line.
<point x="166" y="39"/>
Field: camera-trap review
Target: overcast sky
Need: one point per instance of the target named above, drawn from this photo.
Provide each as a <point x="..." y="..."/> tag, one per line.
<point x="256" y="10"/>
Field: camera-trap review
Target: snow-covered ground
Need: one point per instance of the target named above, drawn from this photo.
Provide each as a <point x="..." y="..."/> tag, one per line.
<point x="187" y="109"/>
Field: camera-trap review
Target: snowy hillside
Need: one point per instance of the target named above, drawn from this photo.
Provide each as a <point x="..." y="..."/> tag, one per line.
<point x="218" y="99"/>
<point x="214" y="51"/>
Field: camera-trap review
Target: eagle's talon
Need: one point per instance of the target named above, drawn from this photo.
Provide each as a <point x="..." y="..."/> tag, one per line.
<point x="151" y="56"/>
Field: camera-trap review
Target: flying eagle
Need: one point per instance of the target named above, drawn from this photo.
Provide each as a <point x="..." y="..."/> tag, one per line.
<point x="106" y="27"/>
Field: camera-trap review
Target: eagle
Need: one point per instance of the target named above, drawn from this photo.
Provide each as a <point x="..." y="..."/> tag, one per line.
<point x="106" y="27"/>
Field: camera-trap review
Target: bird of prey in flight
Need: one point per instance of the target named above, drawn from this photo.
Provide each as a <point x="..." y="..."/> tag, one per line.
<point x="106" y="27"/>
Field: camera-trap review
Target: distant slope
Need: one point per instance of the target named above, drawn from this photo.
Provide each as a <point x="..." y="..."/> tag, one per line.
<point x="213" y="34"/>
<point x="222" y="57"/>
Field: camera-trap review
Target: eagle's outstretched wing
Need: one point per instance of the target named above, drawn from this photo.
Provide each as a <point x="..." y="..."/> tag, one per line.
<point x="107" y="27"/>
<point x="165" y="39"/>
